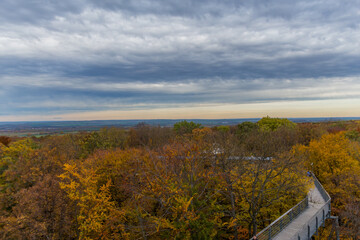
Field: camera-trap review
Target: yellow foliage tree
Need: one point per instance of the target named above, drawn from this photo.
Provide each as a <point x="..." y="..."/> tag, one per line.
<point x="94" y="202"/>
<point x="335" y="161"/>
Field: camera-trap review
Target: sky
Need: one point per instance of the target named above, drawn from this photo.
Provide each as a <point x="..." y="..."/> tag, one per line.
<point x="171" y="59"/>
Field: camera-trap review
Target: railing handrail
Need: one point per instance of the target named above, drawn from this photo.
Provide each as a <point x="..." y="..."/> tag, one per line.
<point x="279" y="219"/>
<point x="322" y="190"/>
<point x="305" y="226"/>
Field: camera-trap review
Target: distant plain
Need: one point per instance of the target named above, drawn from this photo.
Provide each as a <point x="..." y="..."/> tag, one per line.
<point x="22" y="129"/>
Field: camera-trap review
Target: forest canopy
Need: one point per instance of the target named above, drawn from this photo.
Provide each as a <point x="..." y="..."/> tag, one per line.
<point x="185" y="182"/>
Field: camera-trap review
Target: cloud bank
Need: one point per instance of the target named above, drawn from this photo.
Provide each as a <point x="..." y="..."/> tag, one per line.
<point x="69" y="57"/>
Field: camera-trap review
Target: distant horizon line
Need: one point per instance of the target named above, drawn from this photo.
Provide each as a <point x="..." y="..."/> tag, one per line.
<point x="174" y="119"/>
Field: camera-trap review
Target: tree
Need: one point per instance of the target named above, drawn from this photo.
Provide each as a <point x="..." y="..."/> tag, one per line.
<point x="223" y="128"/>
<point x="185" y="127"/>
<point x="335" y="161"/>
<point x="15" y="164"/>
<point x="246" y="127"/>
<point x="5" y="140"/>
<point x="266" y="186"/>
<point x="94" y="202"/>
<point x="181" y="182"/>
<point x="33" y="205"/>
<point x="42" y="212"/>
<point x="224" y="151"/>
<point x="271" y="124"/>
<point x="106" y="187"/>
<point x="265" y="174"/>
<point x="144" y="135"/>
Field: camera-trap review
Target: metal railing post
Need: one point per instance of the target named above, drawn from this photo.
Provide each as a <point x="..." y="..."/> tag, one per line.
<point x="270" y="233"/>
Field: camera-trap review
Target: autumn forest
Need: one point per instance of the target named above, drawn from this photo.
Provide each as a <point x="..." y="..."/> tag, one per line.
<point x="182" y="182"/>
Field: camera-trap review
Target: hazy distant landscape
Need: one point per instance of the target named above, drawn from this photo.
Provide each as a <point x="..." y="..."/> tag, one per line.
<point x="46" y="128"/>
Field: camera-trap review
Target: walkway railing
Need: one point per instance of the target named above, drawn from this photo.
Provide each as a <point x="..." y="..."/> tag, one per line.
<point x="312" y="226"/>
<point x="321" y="189"/>
<point x="279" y="224"/>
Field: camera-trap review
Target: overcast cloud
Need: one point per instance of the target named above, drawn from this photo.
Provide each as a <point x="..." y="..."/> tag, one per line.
<point x="78" y="56"/>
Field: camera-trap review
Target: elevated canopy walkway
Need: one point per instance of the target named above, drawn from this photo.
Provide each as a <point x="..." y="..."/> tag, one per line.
<point x="302" y="221"/>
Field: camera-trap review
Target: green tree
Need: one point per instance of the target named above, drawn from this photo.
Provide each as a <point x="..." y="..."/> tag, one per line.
<point x="272" y="124"/>
<point x="246" y="127"/>
<point x="185" y="127"/>
<point x="223" y="129"/>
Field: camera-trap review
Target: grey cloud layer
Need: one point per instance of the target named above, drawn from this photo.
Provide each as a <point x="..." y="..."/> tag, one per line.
<point x="130" y="54"/>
